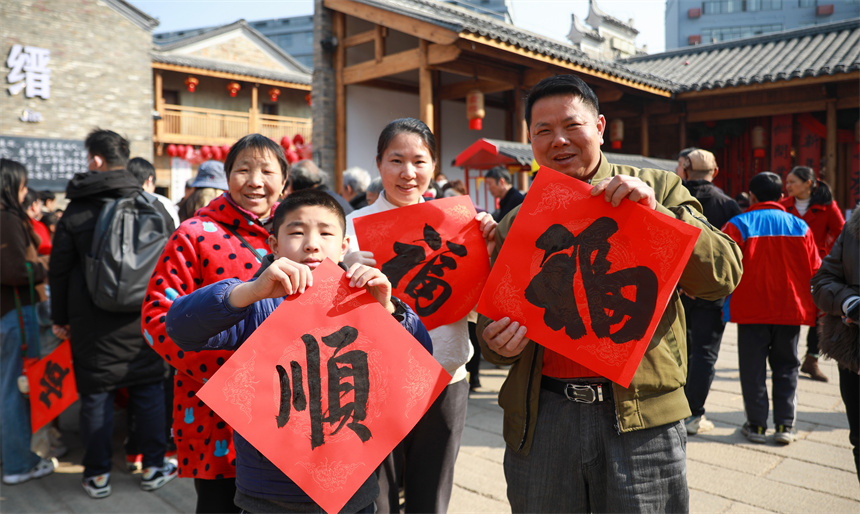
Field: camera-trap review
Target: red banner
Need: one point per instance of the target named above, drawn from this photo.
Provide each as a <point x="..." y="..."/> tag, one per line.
<point x="433" y="253"/>
<point x="326" y="387"/>
<point x="780" y="145"/>
<point x="588" y="280"/>
<point x="809" y="146"/>
<point x="52" y="386"/>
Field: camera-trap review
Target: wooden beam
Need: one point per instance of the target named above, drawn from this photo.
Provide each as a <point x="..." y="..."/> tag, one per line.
<point x="231" y="76"/>
<point x="390" y="65"/>
<point x="253" y="112"/>
<point x="458" y="90"/>
<point x="608" y="94"/>
<point x="339" y="60"/>
<point x="437" y="121"/>
<point x="379" y="35"/>
<point x="782" y="84"/>
<point x="439" y="54"/>
<point x="521" y="134"/>
<point x="159" y="104"/>
<point x="644" y="135"/>
<point x="830" y="143"/>
<point x="480" y="71"/>
<point x="757" y="110"/>
<point x="359" y="39"/>
<point x="425" y="88"/>
<point x="561" y="63"/>
<point x="392" y="85"/>
<point x="399" y="22"/>
<point x="682" y="130"/>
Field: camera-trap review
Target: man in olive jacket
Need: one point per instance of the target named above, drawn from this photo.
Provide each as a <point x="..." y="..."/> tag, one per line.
<point x="575" y="441"/>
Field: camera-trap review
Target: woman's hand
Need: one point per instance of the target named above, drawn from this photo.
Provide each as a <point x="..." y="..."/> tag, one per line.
<point x="487" y="225"/>
<point x="374" y="281"/>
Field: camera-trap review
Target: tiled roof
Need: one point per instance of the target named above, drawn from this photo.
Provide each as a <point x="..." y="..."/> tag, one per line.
<point x="231" y="67"/>
<point x="806" y="52"/>
<point x="462" y="20"/>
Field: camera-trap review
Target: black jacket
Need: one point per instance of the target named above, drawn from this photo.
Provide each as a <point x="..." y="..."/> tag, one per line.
<point x="717" y="206"/>
<point x="511" y="199"/>
<point x="108" y="349"/>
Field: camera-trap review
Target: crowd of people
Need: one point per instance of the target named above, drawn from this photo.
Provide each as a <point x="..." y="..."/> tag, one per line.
<point x="249" y="232"/>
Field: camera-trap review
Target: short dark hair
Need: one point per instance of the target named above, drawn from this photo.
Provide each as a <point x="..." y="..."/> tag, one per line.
<point x="409" y="126"/>
<point x="30" y="198"/>
<point x="497" y="173"/>
<point x="305" y="174"/>
<point x="820" y="194"/>
<point x="256" y="142"/>
<point x="307" y="198"/>
<point x="766" y="186"/>
<point x="46" y="195"/>
<point x="557" y="86"/>
<point x="141" y="169"/>
<point x="112" y="147"/>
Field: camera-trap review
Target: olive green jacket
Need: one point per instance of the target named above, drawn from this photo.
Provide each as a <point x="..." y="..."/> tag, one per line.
<point x="656" y="394"/>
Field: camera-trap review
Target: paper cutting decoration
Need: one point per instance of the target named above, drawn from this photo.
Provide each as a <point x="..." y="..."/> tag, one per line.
<point x="433" y="253"/>
<point x="326" y="387"/>
<point x="589" y="281"/>
<point x="52" y="386"/>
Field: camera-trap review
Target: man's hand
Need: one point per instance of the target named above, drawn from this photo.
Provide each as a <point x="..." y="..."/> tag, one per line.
<point x="359" y="257"/>
<point x="487" y="226"/>
<point x="506" y="338"/>
<point x="619" y="187"/>
<point x="62" y="331"/>
<point x="282" y="278"/>
<point x="374" y="281"/>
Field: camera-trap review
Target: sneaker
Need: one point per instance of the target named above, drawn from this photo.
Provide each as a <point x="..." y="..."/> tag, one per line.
<point x="754" y="433"/>
<point x="154" y="478"/>
<point x="134" y="463"/>
<point x="97" y="486"/>
<point x="42" y="468"/>
<point x="696" y="424"/>
<point x="784" y="434"/>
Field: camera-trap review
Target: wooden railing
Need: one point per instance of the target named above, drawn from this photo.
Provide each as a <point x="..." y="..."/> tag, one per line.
<point x="186" y="125"/>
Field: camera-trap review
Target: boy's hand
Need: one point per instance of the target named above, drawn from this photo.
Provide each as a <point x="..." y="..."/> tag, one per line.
<point x="488" y="229"/>
<point x="374" y="281"/>
<point x="282" y="278"/>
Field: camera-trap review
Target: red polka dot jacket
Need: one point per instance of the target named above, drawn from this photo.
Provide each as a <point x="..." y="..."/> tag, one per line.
<point x="201" y="251"/>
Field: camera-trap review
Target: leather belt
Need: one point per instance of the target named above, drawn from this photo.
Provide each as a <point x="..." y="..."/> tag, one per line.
<point x="578" y="391"/>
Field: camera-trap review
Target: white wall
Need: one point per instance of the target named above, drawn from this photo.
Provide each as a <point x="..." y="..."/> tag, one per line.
<point x="370" y="109"/>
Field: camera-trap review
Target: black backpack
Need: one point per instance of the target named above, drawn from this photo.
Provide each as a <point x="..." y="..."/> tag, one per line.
<point x="129" y="236"/>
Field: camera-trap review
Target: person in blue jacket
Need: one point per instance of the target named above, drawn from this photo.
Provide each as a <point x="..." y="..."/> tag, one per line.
<point x="308" y="227"/>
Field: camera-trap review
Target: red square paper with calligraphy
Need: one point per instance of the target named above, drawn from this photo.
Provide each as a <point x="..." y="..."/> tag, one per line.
<point x="433" y="253"/>
<point x="326" y="387"/>
<point x="52" y="385"/>
<point x="589" y="281"/>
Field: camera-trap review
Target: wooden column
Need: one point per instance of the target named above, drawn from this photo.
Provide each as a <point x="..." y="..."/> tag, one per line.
<point x="159" y="106"/>
<point x="339" y="29"/>
<point x="830" y="162"/>
<point x="520" y="133"/>
<point x="425" y="87"/>
<point x="437" y="121"/>
<point x="644" y="135"/>
<point x="253" y="113"/>
<point x="682" y="128"/>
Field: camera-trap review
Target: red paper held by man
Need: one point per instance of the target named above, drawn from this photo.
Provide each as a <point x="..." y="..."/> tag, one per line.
<point x="594" y="287"/>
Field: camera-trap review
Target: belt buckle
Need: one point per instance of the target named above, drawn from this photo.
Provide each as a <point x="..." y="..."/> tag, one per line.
<point x="583" y="393"/>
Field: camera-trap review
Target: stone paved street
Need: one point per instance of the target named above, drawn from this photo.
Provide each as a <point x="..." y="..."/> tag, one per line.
<point x="725" y="472"/>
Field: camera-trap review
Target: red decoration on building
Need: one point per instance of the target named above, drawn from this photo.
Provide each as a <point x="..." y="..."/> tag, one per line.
<point x="274" y="93"/>
<point x="616" y="133"/>
<point x="475" y="109"/>
<point x="233" y="88"/>
<point x="308" y="98"/>
<point x="758" y="142"/>
<point x="191" y="83"/>
<point x="172" y="151"/>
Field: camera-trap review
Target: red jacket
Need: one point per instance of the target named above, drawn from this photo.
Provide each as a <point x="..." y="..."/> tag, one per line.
<point x="201" y="251"/>
<point x="780" y="259"/>
<point x="825" y="221"/>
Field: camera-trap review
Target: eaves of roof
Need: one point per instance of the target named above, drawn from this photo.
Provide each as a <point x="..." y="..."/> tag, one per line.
<point x="231" y="67"/>
<point x="820" y="50"/>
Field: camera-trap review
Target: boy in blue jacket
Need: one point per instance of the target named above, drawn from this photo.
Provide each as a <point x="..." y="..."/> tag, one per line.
<point x="308" y="226"/>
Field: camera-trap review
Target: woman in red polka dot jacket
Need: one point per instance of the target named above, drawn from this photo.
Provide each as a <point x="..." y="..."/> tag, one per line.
<point x="225" y="239"/>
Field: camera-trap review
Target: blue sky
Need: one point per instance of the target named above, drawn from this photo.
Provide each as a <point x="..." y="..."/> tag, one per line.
<point x="550" y="18"/>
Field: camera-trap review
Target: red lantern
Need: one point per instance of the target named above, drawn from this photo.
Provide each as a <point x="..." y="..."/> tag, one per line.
<point x="206" y="152"/>
<point x="274" y="93"/>
<point x="285" y="142"/>
<point x="172" y="151"/>
<point x="758" y="144"/>
<point x="291" y="156"/>
<point x="216" y="153"/>
<point x="233" y="88"/>
<point x="616" y="133"/>
<point x="225" y="149"/>
<point x="298" y="139"/>
<point x="191" y="84"/>
<point x="475" y="109"/>
<point x="308" y="99"/>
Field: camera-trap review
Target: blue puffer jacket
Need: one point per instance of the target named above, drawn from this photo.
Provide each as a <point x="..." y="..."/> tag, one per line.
<point x="204" y="320"/>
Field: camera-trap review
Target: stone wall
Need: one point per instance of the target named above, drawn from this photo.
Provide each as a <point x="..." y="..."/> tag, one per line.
<point x="101" y="73"/>
<point x="240" y="50"/>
